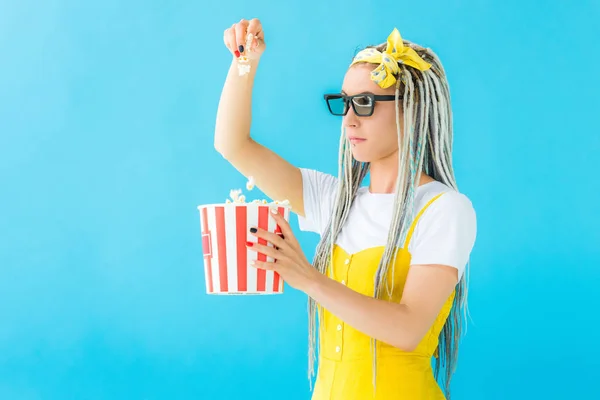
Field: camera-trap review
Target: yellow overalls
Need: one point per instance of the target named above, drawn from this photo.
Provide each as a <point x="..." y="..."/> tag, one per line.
<point x="345" y="364"/>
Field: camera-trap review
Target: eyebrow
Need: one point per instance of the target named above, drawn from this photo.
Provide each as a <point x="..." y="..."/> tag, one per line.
<point x="363" y="92"/>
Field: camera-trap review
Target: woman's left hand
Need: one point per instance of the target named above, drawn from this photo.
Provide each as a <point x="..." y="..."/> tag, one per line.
<point x="290" y="262"/>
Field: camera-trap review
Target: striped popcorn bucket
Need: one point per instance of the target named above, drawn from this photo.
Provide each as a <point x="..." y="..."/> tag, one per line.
<point x="225" y="229"/>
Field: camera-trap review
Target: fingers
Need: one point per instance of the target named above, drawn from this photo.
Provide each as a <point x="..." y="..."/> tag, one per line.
<point x="240" y="35"/>
<point x="266" y="250"/>
<point x="255" y="28"/>
<point x="236" y="35"/>
<point x="273" y="238"/>
<point x="264" y="265"/>
<point x="230" y="40"/>
<point x="286" y="229"/>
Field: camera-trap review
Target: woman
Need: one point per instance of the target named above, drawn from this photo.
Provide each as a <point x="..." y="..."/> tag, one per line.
<point x="387" y="283"/>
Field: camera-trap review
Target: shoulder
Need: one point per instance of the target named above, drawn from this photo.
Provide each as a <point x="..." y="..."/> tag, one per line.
<point x="446" y="229"/>
<point x="453" y="202"/>
<point x="442" y="201"/>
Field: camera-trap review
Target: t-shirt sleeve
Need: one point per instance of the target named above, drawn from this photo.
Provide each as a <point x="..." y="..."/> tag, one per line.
<point x="445" y="233"/>
<point x="318" y="190"/>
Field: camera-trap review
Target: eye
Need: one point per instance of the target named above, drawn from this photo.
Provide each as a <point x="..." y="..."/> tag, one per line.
<point x="362" y="101"/>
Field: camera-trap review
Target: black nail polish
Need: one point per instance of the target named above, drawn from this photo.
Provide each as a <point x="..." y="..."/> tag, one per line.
<point x="253" y="230"/>
<point x="241" y="48"/>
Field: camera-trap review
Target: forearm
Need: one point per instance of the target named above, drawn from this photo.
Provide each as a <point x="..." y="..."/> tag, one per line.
<point x="234" y="115"/>
<point x="383" y="320"/>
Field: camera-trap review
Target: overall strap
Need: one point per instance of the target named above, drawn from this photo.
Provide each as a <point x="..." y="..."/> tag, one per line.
<point x="409" y="236"/>
<point x="414" y="223"/>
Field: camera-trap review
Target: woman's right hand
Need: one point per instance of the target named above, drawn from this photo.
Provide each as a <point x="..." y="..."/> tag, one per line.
<point x="236" y="36"/>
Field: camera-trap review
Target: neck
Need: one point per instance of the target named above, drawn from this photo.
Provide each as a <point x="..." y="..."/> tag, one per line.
<point x="384" y="173"/>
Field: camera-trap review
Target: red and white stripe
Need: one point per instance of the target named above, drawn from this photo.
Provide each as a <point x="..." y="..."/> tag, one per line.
<point x="225" y="231"/>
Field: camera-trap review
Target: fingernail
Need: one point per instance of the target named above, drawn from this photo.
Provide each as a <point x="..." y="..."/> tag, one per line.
<point x="249" y="244"/>
<point x="273" y="211"/>
<point x="241" y="48"/>
<point x="253" y="230"/>
<point x="237" y="53"/>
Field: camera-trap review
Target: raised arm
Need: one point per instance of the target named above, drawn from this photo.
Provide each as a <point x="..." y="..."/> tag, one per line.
<point x="276" y="177"/>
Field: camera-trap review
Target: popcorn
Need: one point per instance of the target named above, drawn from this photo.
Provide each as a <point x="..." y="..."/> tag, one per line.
<point x="236" y="196"/>
<point x="235" y="193"/>
<point x="249" y="39"/>
<point x="250" y="183"/>
<point x="243" y="61"/>
<point x="243" y="66"/>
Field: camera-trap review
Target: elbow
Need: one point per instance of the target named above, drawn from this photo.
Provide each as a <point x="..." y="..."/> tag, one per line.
<point x="410" y="347"/>
<point x="407" y="341"/>
<point x="409" y="330"/>
<point x="225" y="151"/>
<point x="407" y="345"/>
<point x="228" y="150"/>
<point x="220" y="147"/>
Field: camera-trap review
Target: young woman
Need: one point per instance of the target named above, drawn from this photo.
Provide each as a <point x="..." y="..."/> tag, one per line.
<point x="387" y="284"/>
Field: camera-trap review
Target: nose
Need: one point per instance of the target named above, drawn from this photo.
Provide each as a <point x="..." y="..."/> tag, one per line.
<point x="350" y="119"/>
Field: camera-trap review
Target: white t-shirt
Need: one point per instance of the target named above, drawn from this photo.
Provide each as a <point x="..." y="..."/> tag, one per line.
<point x="445" y="233"/>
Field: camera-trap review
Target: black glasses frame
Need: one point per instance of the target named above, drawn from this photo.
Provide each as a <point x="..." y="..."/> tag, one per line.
<point x="348" y="99"/>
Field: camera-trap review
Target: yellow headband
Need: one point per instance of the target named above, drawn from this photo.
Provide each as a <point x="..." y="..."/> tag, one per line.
<point x="385" y="74"/>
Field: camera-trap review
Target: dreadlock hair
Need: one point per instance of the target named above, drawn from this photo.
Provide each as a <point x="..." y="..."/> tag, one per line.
<point x="424" y="146"/>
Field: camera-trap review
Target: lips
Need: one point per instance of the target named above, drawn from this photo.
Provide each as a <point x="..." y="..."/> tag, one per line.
<point x="355" y="140"/>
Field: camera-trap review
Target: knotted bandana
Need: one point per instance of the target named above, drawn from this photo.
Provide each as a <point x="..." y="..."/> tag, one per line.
<point x="395" y="53"/>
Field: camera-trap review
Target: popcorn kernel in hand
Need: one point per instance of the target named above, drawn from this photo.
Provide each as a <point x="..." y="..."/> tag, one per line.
<point x="249" y="38"/>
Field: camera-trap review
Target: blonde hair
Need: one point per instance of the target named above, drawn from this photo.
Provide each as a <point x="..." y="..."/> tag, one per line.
<point x="427" y="148"/>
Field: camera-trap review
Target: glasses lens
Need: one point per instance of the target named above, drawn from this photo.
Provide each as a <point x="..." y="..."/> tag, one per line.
<point x="363" y="105"/>
<point x="337" y="105"/>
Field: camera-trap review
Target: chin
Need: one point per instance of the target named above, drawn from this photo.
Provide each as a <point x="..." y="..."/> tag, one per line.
<point x="366" y="156"/>
<point x="361" y="157"/>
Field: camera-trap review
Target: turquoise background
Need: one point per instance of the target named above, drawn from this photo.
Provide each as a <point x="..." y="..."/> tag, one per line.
<point x="107" y="112"/>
